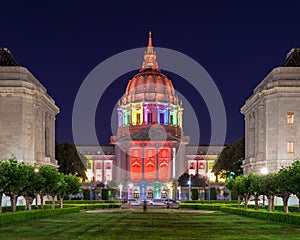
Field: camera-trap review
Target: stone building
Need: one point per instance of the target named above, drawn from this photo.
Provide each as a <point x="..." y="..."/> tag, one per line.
<point x="272" y="118"/>
<point x="27" y="115"/>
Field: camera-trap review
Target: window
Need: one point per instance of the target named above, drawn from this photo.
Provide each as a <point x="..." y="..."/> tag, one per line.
<point x="138" y="118"/>
<point x="290" y="147"/>
<point x="149" y="116"/>
<point x="290" y="117"/>
<point x="161" y="118"/>
<point x="171" y="119"/>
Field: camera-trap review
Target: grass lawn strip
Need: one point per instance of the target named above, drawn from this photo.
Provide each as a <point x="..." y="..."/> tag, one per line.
<point x="173" y="224"/>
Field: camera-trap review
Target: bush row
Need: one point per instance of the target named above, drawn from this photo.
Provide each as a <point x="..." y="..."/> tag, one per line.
<point x="214" y="206"/>
<point x="83" y="201"/>
<point x="276" y="207"/>
<point x="86" y="206"/>
<point x="212" y="201"/>
<point x="291" y="218"/>
<point x="14" y="217"/>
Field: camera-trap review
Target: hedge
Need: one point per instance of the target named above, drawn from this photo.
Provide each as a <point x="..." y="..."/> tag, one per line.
<point x="212" y="201"/>
<point x="86" y="206"/>
<point x="291" y="218"/>
<point x="14" y="217"/>
<point x="83" y="201"/>
<point x="215" y="206"/>
<point x="8" y="208"/>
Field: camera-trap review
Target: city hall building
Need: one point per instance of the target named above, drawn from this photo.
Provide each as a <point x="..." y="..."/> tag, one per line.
<point x="150" y="150"/>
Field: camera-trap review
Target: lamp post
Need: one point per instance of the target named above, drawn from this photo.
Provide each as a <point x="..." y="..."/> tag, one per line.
<point x="190" y="182"/>
<point x="208" y="184"/>
<point x="36" y="170"/>
<point x="90" y="176"/>
<point x="120" y="188"/>
<point x="264" y="171"/>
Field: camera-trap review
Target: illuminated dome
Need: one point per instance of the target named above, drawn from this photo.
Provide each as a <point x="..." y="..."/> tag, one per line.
<point x="150" y="85"/>
<point x="149" y="99"/>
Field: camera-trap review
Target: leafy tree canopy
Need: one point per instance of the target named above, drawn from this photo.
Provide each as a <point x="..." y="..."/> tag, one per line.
<point x="231" y="159"/>
<point x="69" y="160"/>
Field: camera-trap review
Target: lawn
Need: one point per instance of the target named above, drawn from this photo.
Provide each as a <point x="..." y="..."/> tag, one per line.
<point x="163" y="224"/>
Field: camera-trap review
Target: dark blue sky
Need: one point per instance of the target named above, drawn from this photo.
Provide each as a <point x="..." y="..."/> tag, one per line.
<point x="237" y="42"/>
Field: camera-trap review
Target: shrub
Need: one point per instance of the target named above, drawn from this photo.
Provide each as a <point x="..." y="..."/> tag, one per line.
<point x="14" y="217"/>
<point x="83" y="201"/>
<point x="215" y="206"/>
<point x="86" y="194"/>
<point x="213" y="194"/>
<point x="212" y="201"/>
<point x="290" y="218"/>
<point x="195" y="194"/>
<point x="105" y="194"/>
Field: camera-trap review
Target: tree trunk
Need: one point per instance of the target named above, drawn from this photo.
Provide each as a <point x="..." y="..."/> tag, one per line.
<point x="285" y="203"/>
<point x="61" y="198"/>
<point x="29" y="201"/>
<point x="13" y="201"/>
<point x="239" y="201"/>
<point x="246" y="202"/>
<point x="256" y="202"/>
<point x="272" y="202"/>
<point x="269" y="203"/>
<point x="42" y="201"/>
<point x="53" y="202"/>
<point x="1" y="195"/>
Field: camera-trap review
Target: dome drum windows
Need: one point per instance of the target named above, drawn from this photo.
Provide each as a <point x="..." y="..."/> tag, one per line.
<point x="137" y="114"/>
<point x="163" y="114"/>
<point x="126" y="117"/>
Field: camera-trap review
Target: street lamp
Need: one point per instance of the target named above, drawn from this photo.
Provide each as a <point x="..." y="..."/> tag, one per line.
<point x="208" y="184"/>
<point x="120" y="187"/>
<point x="90" y="176"/>
<point x="190" y="182"/>
<point x="36" y="170"/>
<point x="264" y="171"/>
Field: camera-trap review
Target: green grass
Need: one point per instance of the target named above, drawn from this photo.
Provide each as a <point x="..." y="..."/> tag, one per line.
<point x="164" y="224"/>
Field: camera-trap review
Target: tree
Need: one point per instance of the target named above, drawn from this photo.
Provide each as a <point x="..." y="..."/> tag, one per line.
<point x="14" y="172"/>
<point x="69" y="185"/>
<point x="284" y="185"/>
<point x="52" y="181"/>
<point x="236" y="186"/>
<point x="3" y="182"/>
<point x="231" y="159"/>
<point x="196" y="180"/>
<point x="195" y="194"/>
<point x="70" y="161"/>
<point x="33" y="184"/>
<point x="268" y="188"/>
<point x="255" y="187"/>
<point x="295" y="179"/>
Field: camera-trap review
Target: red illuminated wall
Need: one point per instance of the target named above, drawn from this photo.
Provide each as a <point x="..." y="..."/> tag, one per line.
<point x="164" y="159"/>
<point x="136" y="164"/>
<point x="150" y="164"/>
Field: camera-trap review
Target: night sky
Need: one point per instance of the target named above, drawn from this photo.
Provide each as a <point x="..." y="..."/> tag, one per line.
<point x="237" y="42"/>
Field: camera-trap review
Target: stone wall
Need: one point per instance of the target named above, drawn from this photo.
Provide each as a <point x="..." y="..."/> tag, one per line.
<point x="27" y="118"/>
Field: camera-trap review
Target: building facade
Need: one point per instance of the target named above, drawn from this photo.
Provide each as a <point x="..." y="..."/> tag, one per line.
<point x="272" y="119"/>
<point x="150" y="150"/>
<point x="27" y="115"/>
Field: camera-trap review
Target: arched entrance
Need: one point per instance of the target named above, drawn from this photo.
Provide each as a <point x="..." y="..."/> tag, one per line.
<point x="164" y="192"/>
<point x="150" y="192"/>
<point x="136" y="192"/>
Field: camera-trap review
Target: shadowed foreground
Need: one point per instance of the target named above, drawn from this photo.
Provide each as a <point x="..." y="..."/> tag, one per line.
<point x="155" y="224"/>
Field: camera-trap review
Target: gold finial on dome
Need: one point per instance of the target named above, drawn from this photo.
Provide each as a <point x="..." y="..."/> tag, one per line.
<point x="150" y="39"/>
<point x="150" y="56"/>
